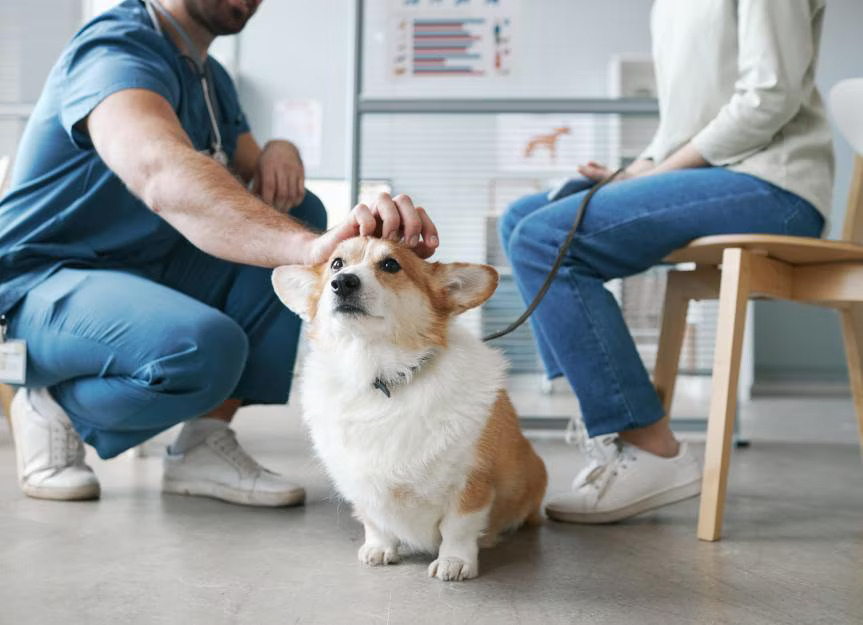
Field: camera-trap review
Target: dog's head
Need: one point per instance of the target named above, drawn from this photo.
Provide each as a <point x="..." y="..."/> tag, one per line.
<point x="375" y="289"/>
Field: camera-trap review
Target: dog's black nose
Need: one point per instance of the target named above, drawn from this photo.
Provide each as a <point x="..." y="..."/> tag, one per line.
<point x="345" y="284"/>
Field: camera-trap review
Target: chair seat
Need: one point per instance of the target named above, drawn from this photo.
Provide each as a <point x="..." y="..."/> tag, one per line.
<point x="793" y="250"/>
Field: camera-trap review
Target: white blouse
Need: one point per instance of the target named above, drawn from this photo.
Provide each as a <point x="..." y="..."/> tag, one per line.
<point x="736" y="77"/>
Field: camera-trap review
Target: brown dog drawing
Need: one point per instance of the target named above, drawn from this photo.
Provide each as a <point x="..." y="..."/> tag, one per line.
<point x="548" y="141"/>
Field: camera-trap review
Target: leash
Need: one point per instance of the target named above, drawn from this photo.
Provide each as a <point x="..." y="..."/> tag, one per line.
<point x="384" y="385"/>
<point x="579" y="217"/>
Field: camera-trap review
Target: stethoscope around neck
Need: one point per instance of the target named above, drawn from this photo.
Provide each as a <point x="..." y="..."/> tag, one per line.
<point x="217" y="151"/>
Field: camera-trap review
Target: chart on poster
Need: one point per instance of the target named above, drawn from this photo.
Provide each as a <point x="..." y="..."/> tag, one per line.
<point x="441" y="49"/>
<point x="452" y="38"/>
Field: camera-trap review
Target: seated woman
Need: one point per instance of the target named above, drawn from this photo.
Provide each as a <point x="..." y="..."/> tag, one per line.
<point x="743" y="146"/>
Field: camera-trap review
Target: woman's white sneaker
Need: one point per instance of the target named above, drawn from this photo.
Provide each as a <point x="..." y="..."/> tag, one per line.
<point x="622" y="480"/>
<point x="48" y="450"/>
<point x="218" y="467"/>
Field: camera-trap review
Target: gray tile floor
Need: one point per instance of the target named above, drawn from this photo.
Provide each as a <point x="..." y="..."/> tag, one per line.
<point x="792" y="553"/>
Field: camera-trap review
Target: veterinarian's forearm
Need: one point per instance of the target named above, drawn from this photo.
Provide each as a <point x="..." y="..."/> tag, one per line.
<point x="138" y="135"/>
<point x="212" y="209"/>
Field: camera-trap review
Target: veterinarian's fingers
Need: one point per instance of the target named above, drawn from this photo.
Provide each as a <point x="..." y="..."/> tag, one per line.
<point x="411" y="223"/>
<point x="359" y="221"/>
<point x="389" y="215"/>
<point x="295" y="183"/>
<point x="282" y="195"/>
<point x="364" y="219"/>
<point x="423" y="250"/>
<point x="256" y="183"/>
<point x="268" y="186"/>
<point x="429" y="230"/>
<point x="301" y="187"/>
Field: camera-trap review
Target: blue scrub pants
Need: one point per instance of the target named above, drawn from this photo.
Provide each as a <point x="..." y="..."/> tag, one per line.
<point x="131" y="352"/>
<point x="629" y="226"/>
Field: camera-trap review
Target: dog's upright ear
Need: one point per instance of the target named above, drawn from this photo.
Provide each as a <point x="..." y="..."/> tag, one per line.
<point x="296" y="286"/>
<point x="467" y="285"/>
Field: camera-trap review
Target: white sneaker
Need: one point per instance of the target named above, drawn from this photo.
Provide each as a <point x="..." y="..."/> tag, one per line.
<point x="219" y="468"/>
<point x="48" y="450"/>
<point x="622" y="480"/>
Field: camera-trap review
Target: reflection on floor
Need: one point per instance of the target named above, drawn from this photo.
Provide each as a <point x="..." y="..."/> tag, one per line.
<point x="792" y="550"/>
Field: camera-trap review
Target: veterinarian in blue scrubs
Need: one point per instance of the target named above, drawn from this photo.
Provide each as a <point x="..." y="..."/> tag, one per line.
<point x="136" y="265"/>
<point x="743" y="146"/>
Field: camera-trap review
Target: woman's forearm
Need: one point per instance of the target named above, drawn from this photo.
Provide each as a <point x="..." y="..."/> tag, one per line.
<point x="686" y="157"/>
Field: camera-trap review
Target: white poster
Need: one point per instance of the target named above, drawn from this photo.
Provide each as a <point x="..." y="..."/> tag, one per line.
<point x="300" y="122"/>
<point x="452" y="38"/>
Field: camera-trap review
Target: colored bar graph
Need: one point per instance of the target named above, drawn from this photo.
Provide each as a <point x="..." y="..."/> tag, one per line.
<point x="447" y="47"/>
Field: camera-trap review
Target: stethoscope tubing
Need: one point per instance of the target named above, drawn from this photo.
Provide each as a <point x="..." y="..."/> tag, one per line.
<point x="201" y="70"/>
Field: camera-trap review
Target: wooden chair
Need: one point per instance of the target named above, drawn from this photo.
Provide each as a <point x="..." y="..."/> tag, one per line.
<point x="735" y="268"/>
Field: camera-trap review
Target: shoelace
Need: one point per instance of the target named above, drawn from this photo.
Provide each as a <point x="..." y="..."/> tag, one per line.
<point x="229" y="446"/>
<point x="600" y="468"/>
<point x="66" y="447"/>
<point x="593" y="448"/>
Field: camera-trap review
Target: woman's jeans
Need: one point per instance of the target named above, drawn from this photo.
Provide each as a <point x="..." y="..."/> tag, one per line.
<point x="629" y="226"/>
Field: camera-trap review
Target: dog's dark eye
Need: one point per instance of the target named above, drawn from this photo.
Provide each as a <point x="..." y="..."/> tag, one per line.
<point x="337" y="264"/>
<point x="390" y="265"/>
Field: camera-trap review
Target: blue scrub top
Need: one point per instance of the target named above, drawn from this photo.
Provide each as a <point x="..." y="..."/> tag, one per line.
<point x="64" y="206"/>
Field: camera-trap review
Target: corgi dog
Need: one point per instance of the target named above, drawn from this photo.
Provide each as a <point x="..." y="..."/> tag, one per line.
<point x="406" y="409"/>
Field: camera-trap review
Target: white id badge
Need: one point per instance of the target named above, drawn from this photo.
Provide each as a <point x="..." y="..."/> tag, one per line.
<point x="13" y="361"/>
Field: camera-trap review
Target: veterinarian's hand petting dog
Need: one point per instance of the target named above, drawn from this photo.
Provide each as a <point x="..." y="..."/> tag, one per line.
<point x="392" y="218"/>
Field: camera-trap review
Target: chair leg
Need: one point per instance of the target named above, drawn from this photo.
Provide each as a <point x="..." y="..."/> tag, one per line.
<point x="733" y="296"/>
<point x="671" y="335"/>
<point x="852" y="333"/>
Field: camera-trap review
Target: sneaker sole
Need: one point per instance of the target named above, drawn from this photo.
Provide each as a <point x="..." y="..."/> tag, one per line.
<point x="678" y="493"/>
<point x="232" y="495"/>
<point x="73" y="493"/>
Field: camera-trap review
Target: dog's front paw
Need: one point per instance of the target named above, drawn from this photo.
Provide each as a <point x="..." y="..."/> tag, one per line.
<point x="375" y="555"/>
<point x="453" y="569"/>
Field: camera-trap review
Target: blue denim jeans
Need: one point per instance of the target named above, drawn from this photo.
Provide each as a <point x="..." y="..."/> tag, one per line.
<point x="629" y="226"/>
<point x="128" y="353"/>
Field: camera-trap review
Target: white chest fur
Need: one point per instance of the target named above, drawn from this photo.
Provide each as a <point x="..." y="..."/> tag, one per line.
<point x="402" y="460"/>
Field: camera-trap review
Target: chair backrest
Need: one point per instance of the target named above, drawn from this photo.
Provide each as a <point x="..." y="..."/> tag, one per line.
<point x="846" y="105"/>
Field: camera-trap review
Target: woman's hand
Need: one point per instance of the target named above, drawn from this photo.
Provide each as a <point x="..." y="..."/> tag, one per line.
<point x="599" y="172"/>
<point x="396" y="219"/>
<point x="280" y="178"/>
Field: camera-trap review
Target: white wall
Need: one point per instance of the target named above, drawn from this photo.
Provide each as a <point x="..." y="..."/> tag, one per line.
<point x="299" y="49"/>
<point x="32" y="34"/>
<point x="561" y="48"/>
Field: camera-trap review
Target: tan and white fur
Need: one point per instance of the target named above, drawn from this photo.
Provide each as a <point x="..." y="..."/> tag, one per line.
<point x="441" y="465"/>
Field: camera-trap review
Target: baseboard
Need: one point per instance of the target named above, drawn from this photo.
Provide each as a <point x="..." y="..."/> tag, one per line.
<point x="800" y="388"/>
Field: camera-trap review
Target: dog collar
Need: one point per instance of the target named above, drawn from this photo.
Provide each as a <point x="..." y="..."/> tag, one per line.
<point x="402" y="378"/>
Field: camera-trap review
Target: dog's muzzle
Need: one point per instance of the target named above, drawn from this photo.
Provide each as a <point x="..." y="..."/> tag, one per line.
<point x="346" y="286"/>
